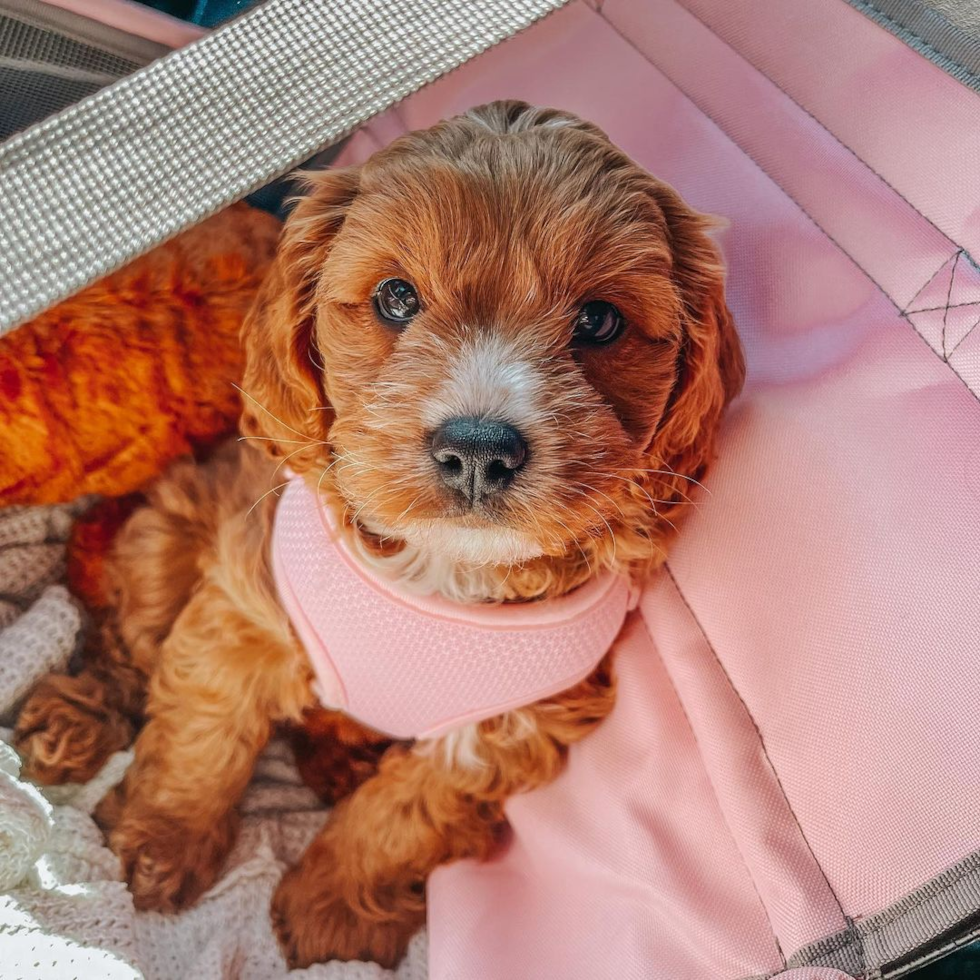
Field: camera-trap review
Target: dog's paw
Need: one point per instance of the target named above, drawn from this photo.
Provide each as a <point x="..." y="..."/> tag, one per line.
<point x="65" y="732"/>
<point x="315" y="924"/>
<point x="167" y="865"/>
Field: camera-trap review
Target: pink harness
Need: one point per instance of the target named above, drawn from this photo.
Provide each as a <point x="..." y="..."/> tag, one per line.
<point x="417" y="666"/>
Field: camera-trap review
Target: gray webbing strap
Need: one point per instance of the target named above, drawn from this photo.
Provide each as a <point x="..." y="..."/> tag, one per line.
<point x="83" y="193"/>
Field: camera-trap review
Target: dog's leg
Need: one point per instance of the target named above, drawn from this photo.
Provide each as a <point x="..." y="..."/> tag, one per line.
<point x="71" y="724"/>
<point x="221" y="682"/>
<point x="359" y="891"/>
<point x="334" y="754"/>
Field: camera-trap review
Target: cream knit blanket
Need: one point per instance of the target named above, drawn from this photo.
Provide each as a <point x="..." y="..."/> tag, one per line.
<point x="63" y="910"/>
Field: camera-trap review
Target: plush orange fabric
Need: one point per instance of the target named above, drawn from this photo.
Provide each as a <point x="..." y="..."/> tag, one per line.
<point x="98" y="394"/>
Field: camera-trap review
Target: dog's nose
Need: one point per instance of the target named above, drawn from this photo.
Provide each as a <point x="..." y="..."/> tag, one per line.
<point x="476" y="457"/>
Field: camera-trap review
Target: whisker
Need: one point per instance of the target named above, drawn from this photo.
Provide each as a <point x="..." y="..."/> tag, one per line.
<point x="406" y="511"/>
<point x="536" y="523"/>
<point x="307" y="442"/>
<point x="366" y="501"/>
<point x="274" y="490"/>
<point x="302" y="435"/>
<point x="601" y="494"/>
<point x="680" y="476"/>
<point x="601" y="517"/>
<point x="686" y="502"/>
<point x="326" y="470"/>
<point x="633" y="483"/>
<point x="608" y="528"/>
<point x="575" y="541"/>
<point x="282" y="462"/>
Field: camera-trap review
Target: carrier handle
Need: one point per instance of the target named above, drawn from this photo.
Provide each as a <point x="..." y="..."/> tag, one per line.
<point x="86" y="191"/>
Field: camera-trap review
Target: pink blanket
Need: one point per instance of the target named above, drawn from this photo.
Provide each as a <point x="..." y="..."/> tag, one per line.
<point x="791" y="777"/>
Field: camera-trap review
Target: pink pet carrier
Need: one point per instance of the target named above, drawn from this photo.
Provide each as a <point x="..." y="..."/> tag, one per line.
<point x="790" y="781"/>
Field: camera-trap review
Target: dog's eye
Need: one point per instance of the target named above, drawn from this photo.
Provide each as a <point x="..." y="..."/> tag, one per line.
<point x="598" y="322"/>
<point x="396" y="302"/>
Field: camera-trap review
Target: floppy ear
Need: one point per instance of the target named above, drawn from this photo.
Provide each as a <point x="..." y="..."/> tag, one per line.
<point x="283" y="397"/>
<point x="711" y="366"/>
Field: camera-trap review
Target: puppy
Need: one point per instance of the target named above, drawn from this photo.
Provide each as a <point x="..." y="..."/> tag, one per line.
<point x="499" y="352"/>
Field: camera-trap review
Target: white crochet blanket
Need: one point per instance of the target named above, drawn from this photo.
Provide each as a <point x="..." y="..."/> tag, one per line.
<point x="64" y="912"/>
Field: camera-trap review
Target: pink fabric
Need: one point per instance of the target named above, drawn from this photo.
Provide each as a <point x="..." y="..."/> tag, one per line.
<point x="795" y="744"/>
<point x="416" y="666"/>
<point x="134" y="19"/>
<point x="893" y="244"/>
<point x="910" y="122"/>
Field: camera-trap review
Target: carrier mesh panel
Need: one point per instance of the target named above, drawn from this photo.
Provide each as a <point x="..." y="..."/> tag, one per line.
<point x="50" y="59"/>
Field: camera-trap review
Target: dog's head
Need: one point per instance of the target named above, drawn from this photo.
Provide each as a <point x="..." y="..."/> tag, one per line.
<point x="500" y="340"/>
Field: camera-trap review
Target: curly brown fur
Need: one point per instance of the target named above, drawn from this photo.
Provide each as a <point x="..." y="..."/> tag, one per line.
<point x="334" y="754"/>
<point x="507" y="220"/>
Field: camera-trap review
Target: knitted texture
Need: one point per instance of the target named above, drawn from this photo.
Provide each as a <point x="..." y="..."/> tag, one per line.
<point x="39" y="621"/>
<point x="25" y="821"/>
<point x="63" y="909"/>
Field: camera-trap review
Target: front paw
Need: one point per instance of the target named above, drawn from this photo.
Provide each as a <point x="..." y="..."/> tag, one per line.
<point x="315" y="922"/>
<point x="168" y="865"/>
<point x="66" y="731"/>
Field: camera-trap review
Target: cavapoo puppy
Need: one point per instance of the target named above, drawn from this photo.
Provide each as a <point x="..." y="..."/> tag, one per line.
<point x="482" y="377"/>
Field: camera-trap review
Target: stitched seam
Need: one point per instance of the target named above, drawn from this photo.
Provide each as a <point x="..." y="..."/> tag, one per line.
<point x="714" y="122"/>
<point x="765" y="753"/>
<point x="976" y="323"/>
<point x="882" y="920"/>
<point x="927" y="956"/>
<point x="907" y="313"/>
<point x="822" y="950"/>
<point x="921" y="289"/>
<point x="933" y="309"/>
<point x="949" y="295"/>
<point x="900" y="29"/>
<point x="721" y="810"/>
<point x="821" y="124"/>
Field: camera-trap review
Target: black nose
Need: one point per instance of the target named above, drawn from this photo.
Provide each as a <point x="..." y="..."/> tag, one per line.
<point x="478" y="458"/>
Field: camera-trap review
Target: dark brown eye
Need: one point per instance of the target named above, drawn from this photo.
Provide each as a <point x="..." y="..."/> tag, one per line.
<point x="598" y="322"/>
<point x="396" y="302"/>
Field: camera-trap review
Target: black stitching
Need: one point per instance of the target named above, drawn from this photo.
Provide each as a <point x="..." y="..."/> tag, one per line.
<point x="973" y="394"/>
<point x="921" y="289"/>
<point x="804" y="109"/>
<point x="976" y="324"/>
<point x="900" y="29"/>
<point x="949" y="293"/>
<point x="906" y="314"/>
<point x="687" y="718"/>
<point x="765" y="753"/>
<point x="952" y="306"/>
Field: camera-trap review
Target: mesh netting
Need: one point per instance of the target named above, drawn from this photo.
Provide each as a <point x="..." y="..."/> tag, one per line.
<point x="50" y="59"/>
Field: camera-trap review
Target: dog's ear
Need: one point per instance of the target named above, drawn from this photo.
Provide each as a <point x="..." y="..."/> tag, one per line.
<point x="710" y="364"/>
<point x="283" y="402"/>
